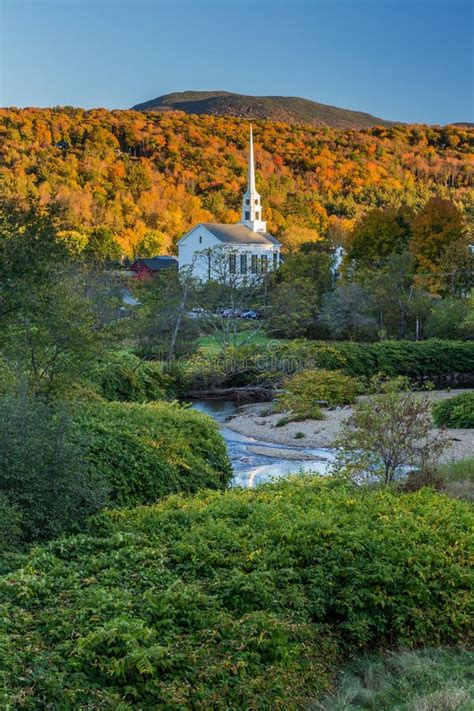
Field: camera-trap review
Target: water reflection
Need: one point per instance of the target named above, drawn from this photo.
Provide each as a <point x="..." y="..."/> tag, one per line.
<point x="251" y="468"/>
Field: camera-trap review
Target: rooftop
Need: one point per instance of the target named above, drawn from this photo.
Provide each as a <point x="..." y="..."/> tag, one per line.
<point x="239" y="234"/>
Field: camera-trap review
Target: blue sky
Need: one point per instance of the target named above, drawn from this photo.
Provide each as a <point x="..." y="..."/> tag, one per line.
<point x="405" y="60"/>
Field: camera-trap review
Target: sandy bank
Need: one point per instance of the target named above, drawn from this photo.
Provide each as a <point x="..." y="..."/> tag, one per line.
<point x="322" y="433"/>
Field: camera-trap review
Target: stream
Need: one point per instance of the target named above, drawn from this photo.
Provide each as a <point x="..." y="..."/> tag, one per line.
<point x="250" y="468"/>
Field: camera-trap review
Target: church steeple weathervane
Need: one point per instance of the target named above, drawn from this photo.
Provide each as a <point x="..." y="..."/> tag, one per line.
<point x="251" y="206"/>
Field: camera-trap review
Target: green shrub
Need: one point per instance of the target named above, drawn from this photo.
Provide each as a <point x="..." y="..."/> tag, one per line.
<point x="144" y="452"/>
<point x="124" y="377"/>
<point x="10" y="525"/>
<point x="458" y="411"/>
<point x="241" y="600"/>
<point x="304" y="390"/>
<point x="271" y="363"/>
<point x="44" y="473"/>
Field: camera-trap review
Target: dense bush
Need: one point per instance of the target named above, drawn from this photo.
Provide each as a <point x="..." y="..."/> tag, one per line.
<point x="44" y="473"/>
<point x="271" y="363"/>
<point x="303" y="391"/>
<point x="458" y="411"/>
<point x="238" y="600"/>
<point x="10" y="525"/>
<point x="146" y="451"/>
<point x="125" y="377"/>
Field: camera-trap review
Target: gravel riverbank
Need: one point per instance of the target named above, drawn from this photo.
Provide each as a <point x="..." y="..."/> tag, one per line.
<point x="254" y="421"/>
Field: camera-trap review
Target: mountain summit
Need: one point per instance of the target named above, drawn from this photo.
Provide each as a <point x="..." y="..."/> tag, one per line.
<point x="289" y="109"/>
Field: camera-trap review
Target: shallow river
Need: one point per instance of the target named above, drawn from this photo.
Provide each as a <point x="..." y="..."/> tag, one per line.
<point x="250" y="468"/>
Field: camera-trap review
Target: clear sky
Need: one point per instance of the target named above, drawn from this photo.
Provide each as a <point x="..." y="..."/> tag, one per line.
<point x="404" y="60"/>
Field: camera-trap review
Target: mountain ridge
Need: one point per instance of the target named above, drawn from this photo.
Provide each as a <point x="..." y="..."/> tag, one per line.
<point x="286" y="109"/>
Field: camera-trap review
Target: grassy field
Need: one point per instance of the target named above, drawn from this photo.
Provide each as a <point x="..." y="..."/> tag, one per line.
<point x="209" y="344"/>
<point x="425" y="680"/>
<point x="458" y="478"/>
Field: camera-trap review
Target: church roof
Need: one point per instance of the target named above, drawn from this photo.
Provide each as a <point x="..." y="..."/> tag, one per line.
<point x="239" y="234"/>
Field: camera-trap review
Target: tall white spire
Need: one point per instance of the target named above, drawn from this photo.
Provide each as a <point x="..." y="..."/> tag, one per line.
<point x="251" y="169"/>
<point x="251" y="206"/>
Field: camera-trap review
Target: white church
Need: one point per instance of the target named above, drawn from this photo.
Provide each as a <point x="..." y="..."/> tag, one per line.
<point x="241" y="251"/>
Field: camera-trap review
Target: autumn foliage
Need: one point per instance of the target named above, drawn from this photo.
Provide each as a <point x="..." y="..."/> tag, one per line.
<point x="147" y="178"/>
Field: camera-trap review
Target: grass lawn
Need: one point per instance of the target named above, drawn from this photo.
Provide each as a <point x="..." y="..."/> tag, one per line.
<point x="210" y="345"/>
<point x="424" y="680"/>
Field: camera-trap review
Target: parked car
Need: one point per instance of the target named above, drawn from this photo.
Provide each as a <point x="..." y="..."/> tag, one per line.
<point x="251" y="314"/>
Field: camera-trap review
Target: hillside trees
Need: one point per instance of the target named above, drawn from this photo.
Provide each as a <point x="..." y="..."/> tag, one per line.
<point x="379" y="234"/>
<point x="131" y="173"/>
<point x="438" y="244"/>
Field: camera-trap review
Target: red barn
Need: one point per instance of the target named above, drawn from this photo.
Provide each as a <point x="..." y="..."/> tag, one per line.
<point x="145" y="268"/>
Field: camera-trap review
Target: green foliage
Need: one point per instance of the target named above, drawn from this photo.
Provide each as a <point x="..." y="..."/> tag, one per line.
<point x="44" y="475"/>
<point x="423" y="680"/>
<point x="457" y="411"/>
<point x="122" y="376"/>
<point x="275" y="360"/>
<point x="447" y="318"/>
<point x="10" y="525"/>
<point x="55" y="317"/>
<point x="304" y="390"/>
<point x="144" y="452"/>
<point x="346" y="312"/>
<point x="239" y="600"/>
<point x="377" y="235"/>
<point x="102" y="248"/>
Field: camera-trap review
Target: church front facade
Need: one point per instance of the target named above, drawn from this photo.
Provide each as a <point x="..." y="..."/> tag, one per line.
<point x="241" y="251"/>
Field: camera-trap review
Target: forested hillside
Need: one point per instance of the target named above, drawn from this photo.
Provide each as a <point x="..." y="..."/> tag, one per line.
<point x="147" y="177"/>
<point x="290" y="109"/>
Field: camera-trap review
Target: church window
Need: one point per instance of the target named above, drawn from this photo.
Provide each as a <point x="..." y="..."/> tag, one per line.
<point x="263" y="263"/>
<point x="247" y="202"/>
<point x="275" y="260"/>
<point x="247" y="215"/>
<point x="257" y="215"/>
<point x="200" y="239"/>
<point x="254" y="263"/>
<point x="256" y="202"/>
<point x="232" y="263"/>
<point x="243" y="264"/>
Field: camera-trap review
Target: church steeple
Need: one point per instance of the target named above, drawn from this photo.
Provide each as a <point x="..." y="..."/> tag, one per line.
<point x="251" y="206"/>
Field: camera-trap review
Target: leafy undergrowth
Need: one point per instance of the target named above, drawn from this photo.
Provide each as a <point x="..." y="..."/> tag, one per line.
<point x="458" y="411"/>
<point x="424" y="680"/>
<point x="245" y="599"/>
<point x="144" y="452"/>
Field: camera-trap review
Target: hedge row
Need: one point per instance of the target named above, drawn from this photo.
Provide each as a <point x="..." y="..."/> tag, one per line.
<point x="144" y="452"/>
<point x="241" y="600"/>
<point x="253" y="364"/>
